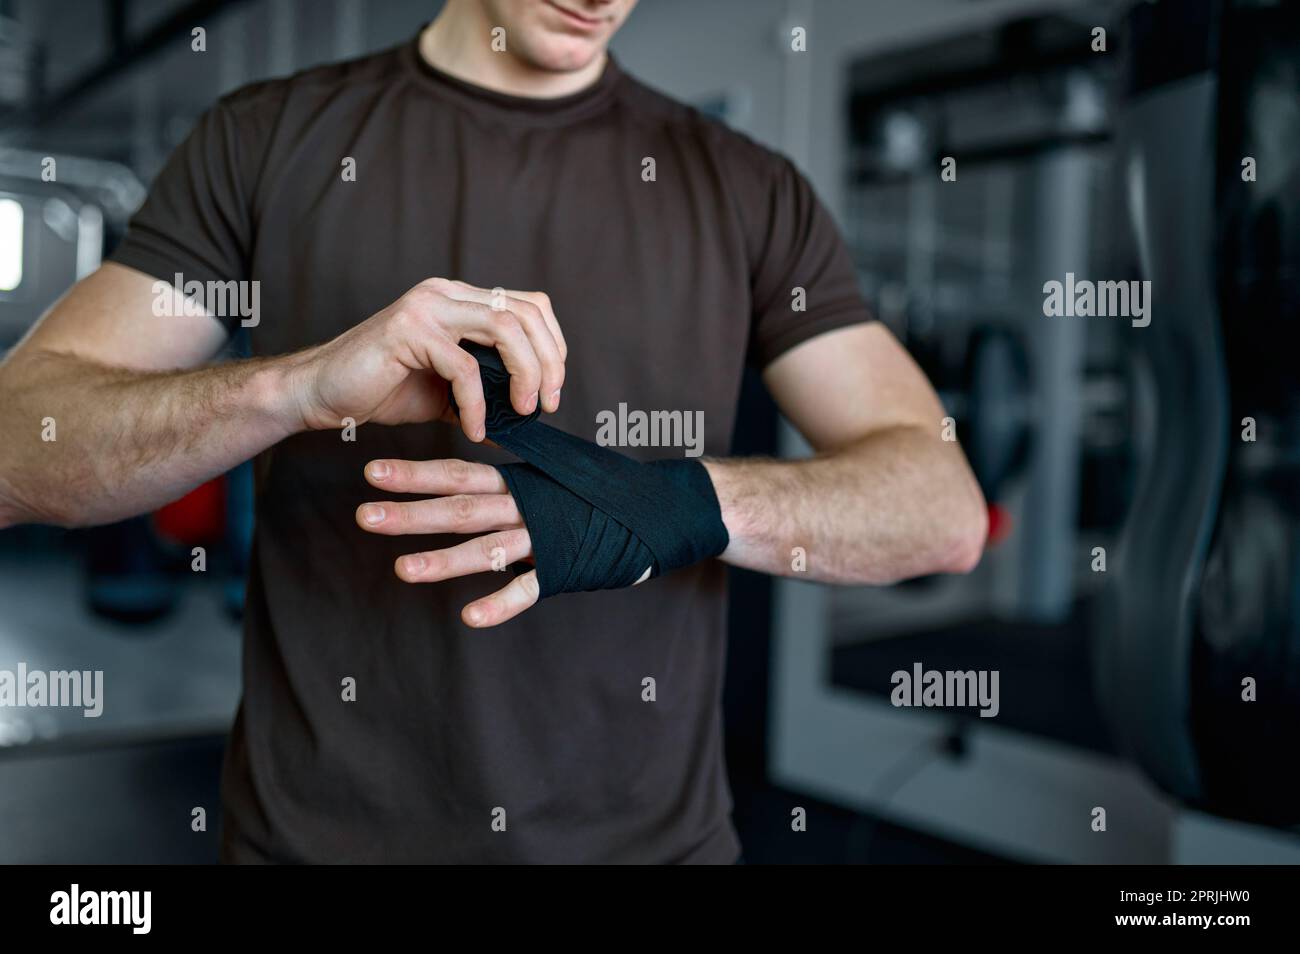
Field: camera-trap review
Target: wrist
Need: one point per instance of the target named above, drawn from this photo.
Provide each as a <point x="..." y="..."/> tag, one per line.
<point x="277" y="391"/>
<point x="722" y="475"/>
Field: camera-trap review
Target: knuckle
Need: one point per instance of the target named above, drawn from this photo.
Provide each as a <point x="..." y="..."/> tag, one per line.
<point x="462" y="508"/>
<point x="403" y="317"/>
<point x="456" y="470"/>
<point x="421" y="296"/>
<point x="466" y="366"/>
<point x="504" y="322"/>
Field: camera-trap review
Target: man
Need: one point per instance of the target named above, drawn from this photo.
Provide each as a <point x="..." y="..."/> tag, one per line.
<point x="387" y="720"/>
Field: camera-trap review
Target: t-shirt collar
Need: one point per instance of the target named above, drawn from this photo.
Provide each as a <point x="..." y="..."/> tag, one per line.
<point x="555" y="110"/>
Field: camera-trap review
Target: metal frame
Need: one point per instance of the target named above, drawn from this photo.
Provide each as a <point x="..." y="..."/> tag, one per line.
<point x="1012" y="794"/>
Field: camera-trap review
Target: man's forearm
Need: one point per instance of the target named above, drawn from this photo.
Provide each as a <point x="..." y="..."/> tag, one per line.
<point x="897" y="504"/>
<point x="85" y="443"/>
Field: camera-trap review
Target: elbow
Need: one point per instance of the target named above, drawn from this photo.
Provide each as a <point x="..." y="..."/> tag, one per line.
<point x="966" y="553"/>
<point x="965" y="536"/>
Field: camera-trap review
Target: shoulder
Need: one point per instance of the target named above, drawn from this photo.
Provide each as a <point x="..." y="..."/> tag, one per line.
<point x="270" y="119"/>
<point x="750" y="174"/>
<point x="354" y="78"/>
<point x="643" y="104"/>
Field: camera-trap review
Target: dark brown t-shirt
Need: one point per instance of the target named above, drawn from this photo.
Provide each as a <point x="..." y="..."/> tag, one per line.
<point x="664" y="289"/>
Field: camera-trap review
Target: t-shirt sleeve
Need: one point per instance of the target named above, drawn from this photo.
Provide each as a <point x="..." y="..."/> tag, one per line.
<point x="196" y="221"/>
<point x="798" y="247"/>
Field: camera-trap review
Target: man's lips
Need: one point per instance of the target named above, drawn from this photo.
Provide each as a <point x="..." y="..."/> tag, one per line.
<point x="588" y="24"/>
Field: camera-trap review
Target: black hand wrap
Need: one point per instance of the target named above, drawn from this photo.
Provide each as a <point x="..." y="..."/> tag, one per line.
<point x="597" y="519"/>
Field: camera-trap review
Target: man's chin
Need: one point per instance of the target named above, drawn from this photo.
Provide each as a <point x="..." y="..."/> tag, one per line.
<point x="564" y="55"/>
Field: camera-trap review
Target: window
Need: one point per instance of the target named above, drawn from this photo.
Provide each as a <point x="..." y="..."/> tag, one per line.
<point x="11" y="244"/>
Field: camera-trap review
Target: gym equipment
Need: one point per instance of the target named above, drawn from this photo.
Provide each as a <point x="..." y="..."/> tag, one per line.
<point x="1198" y="659"/>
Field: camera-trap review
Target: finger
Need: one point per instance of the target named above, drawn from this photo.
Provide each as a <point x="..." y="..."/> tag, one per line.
<point x="533" y="309"/>
<point x="495" y="551"/>
<point x="543" y="303"/>
<point x="462" y="513"/>
<point x="546" y="349"/>
<point x="458" y="367"/>
<point x="501" y="328"/>
<point x="468" y="292"/>
<point x="506" y="603"/>
<point x="520" y="359"/>
<point x="424" y="327"/>
<point x="440" y="477"/>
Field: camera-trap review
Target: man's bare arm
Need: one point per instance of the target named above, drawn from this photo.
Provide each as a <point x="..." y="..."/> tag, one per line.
<point x="136" y="424"/>
<point x="125" y="441"/>
<point x="884" y="499"/>
<point x="129" y="431"/>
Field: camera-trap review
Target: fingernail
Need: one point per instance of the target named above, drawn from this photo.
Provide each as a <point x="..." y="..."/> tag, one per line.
<point x="474" y="615"/>
<point x="372" y="514"/>
<point x="555" y="398"/>
<point x="380" y="470"/>
<point x="530" y="404"/>
<point x="414" y="564"/>
<point x="480" y="432"/>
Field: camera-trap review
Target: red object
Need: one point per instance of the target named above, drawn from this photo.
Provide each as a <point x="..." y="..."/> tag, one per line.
<point x="198" y="517"/>
<point x="999" y="525"/>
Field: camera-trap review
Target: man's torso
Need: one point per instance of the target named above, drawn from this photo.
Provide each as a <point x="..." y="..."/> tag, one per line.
<point x="542" y="724"/>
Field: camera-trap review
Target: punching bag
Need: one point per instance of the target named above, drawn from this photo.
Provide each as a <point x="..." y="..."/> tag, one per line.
<point x="1198" y="656"/>
<point x="1246" y="653"/>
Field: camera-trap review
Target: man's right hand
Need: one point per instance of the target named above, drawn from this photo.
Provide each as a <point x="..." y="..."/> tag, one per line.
<point x="396" y="366"/>
<point x="140" y="420"/>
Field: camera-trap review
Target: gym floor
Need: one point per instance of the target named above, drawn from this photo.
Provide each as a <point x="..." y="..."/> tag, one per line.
<point x="121" y="788"/>
<point x="130" y="802"/>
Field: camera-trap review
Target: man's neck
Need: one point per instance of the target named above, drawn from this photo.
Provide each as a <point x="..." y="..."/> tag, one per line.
<point x="459" y="43"/>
